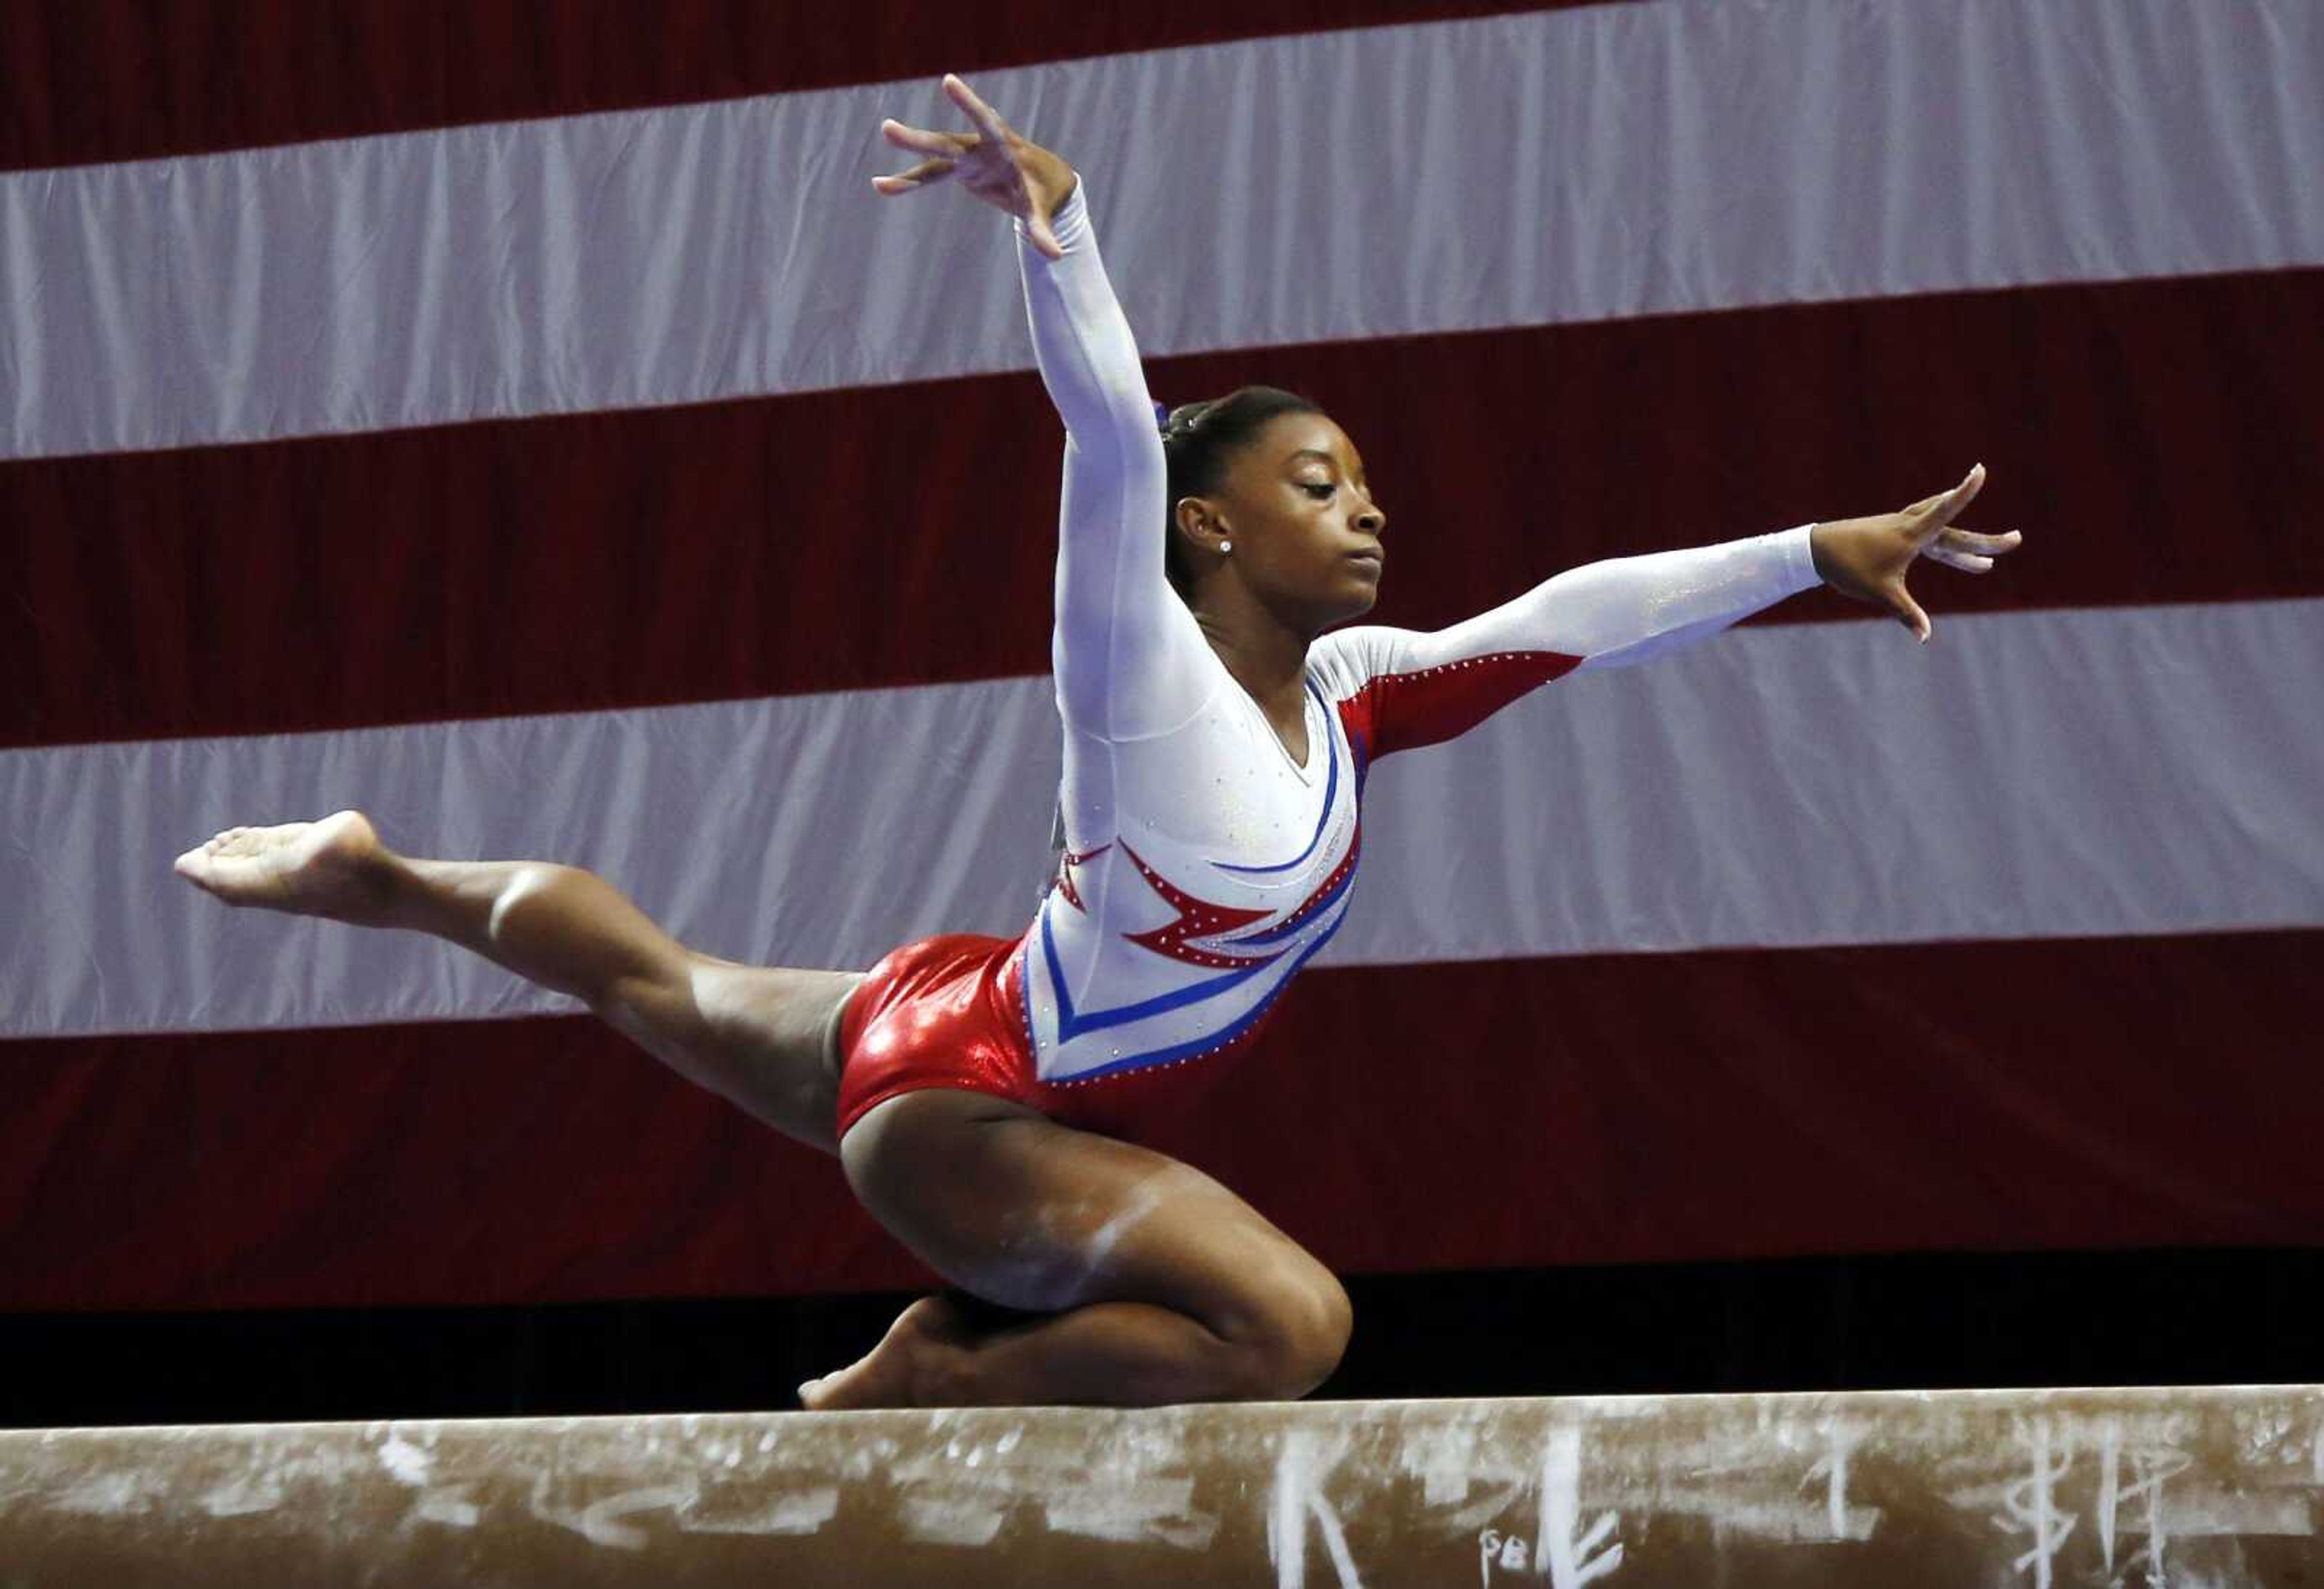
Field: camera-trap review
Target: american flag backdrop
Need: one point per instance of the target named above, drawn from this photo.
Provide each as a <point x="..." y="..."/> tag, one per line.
<point x="523" y="421"/>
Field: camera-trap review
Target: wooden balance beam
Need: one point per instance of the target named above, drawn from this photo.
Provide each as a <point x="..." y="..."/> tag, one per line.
<point x="2140" y="1488"/>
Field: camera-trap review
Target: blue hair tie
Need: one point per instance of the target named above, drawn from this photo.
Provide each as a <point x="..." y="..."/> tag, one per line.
<point x="1162" y="415"/>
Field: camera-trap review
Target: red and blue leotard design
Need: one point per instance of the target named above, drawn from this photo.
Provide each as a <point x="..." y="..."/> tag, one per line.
<point x="1204" y="865"/>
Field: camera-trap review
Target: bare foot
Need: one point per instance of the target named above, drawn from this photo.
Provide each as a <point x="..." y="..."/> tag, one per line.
<point x="904" y="1370"/>
<point x="334" y="868"/>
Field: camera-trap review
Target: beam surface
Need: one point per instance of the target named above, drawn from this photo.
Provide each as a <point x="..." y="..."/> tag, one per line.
<point x="2136" y="1488"/>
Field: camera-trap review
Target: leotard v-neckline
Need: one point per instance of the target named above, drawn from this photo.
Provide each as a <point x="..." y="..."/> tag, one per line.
<point x="1306" y="721"/>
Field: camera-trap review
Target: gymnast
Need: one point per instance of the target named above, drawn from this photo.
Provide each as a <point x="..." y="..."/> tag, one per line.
<point x="984" y="1094"/>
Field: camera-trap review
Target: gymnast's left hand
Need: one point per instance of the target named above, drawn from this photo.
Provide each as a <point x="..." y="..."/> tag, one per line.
<point x="994" y="164"/>
<point x="1868" y="559"/>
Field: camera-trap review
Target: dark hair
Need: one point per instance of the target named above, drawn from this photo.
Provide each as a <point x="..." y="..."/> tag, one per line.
<point x="1201" y="441"/>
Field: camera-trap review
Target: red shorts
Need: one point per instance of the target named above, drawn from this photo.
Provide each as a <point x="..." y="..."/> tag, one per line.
<point x="942" y="1012"/>
<point x="949" y="1011"/>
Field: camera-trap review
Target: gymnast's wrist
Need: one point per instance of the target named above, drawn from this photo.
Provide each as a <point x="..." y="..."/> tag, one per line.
<point x="1803" y="564"/>
<point x="1068" y="215"/>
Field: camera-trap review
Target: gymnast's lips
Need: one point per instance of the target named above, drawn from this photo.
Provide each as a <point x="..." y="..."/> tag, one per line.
<point x="1371" y="556"/>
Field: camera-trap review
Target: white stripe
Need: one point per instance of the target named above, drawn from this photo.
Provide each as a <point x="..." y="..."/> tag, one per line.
<point x="1510" y="170"/>
<point x="2079" y="773"/>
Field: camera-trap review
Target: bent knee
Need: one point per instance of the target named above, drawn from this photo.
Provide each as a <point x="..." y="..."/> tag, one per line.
<point x="1296" y="1340"/>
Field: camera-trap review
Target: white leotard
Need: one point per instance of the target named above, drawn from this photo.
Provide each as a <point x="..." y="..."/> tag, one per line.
<point x="1202" y="865"/>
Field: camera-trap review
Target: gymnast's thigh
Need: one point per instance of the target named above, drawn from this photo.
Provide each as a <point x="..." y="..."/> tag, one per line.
<point x="1021" y="1211"/>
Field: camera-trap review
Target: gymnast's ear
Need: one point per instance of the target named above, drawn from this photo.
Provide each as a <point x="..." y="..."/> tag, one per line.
<point x="1179" y="549"/>
<point x="1192" y="521"/>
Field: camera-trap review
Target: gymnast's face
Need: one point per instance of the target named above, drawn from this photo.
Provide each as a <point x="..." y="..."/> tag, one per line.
<point x="1304" y="531"/>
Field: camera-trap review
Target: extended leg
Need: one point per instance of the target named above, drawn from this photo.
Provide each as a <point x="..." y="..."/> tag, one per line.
<point x="753" y="1035"/>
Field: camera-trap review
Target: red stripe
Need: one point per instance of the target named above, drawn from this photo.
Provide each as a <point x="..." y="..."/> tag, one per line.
<point x="2153" y="438"/>
<point x="2021" y="1096"/>
<point x="1407" y="711"/>
<point x="107" y="79"/>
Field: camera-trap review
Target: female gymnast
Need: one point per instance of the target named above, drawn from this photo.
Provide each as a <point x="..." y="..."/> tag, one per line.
<point x="980" y="1092"/>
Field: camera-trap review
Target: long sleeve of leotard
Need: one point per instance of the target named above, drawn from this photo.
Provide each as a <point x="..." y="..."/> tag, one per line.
<point x="1424" y="687"/>
<point x="1129" y="660"/>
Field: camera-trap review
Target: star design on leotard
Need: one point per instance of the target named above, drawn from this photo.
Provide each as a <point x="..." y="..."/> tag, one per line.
<point x="1197" y="918"/>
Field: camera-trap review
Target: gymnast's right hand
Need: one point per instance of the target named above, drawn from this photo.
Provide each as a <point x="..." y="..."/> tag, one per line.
<point x="993" y="164"/>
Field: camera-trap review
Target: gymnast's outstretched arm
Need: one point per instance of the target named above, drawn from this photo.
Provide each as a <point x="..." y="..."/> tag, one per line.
<point x="1630" y="610"/>
<point x="1128" y="657"/>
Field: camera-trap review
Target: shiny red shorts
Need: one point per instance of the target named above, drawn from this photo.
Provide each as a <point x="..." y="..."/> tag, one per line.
<point x="942" y="1012"/>
<point x="950" y="1012"/>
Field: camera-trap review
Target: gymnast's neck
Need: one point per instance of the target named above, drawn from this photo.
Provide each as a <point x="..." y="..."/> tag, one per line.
<point x="1265" y="653"/>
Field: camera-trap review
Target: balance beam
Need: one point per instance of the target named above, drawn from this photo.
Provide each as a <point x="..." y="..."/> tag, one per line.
<point x="2135" y="1488"/>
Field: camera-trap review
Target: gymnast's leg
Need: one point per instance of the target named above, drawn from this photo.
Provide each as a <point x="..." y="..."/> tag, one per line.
<point x="755" y="1035"/>
<point x="1155" y="1285"/>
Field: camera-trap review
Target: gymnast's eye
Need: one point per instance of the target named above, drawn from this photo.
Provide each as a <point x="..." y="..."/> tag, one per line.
<point x="1311" y="486"/>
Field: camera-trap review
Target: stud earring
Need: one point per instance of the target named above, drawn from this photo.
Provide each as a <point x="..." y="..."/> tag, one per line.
<point x="1226" y="546"/>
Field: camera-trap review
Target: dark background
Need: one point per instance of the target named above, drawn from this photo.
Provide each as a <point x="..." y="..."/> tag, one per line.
<point x="2165" y="1317"/>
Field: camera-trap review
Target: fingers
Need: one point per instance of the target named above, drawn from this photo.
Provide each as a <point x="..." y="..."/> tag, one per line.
<point x="196" y="864"/>
<point x="920" y="140"/>
<point x="1942" y="509"/>
<point x="987" y="119"/>
<point x="1966" y="562"/>
<point x="1969" y="540"/>
<point x="1908" y="612"/>
<point x="947" y="147"/>
<point x="1969" y="551"/>
<point x="919" y="176"/>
